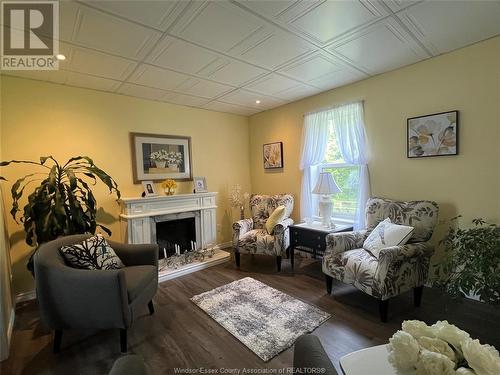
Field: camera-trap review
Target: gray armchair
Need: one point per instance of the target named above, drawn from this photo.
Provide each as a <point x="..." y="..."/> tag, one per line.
<point x="398" y="268"/>
<point x="95" y="299"/>
<point x="250" y="235"/>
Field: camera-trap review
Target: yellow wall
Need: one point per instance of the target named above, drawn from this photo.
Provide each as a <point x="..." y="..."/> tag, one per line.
<point x="467" y="80"/>
<point x="47" y="119"/>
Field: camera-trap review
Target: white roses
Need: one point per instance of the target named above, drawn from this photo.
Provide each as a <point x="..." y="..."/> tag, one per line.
<point x="405" y="350"/>
<point x="482" y="358"/>
<point x="440" y="349"/>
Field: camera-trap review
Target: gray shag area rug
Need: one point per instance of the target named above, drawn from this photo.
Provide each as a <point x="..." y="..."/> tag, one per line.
<point x="266" y="320"/>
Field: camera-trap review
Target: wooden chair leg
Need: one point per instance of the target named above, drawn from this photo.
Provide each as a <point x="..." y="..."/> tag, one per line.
<point x="292" y="256"/>
<point x="278" y="263"/>
<point x="57" y="340"/>
<point x="383" y="307"/>
<point x="123" y="340"/>
<point x="237" y="258"/>
<point x="417" y="295"/>
<point x="329" y="283"/>
<point x="151" y="308"/>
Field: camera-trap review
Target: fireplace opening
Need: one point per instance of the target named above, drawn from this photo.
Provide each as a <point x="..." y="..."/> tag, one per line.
<point x="175" y="232"/>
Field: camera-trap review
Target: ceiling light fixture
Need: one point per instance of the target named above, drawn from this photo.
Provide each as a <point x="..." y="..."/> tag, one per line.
<point x="257" y="102"/>
<point x="60" y="57"/>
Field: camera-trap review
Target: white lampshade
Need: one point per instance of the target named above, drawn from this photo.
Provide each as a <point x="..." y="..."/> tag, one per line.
<point x="326" y="184"/>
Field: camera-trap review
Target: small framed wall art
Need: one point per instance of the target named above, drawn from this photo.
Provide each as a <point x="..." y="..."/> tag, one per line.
<point x="432" y="135"/>
<point x="200" y="185"/>
<point x="273" y="155"/>
<point x="160" y="157"/>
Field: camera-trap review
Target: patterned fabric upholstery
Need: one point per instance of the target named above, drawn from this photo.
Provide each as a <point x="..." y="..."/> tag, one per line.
<point x="262" y="206"/>
<point x="250" y="235"/>
<point x="422" y="215"/>
<point x="398" y="268"/>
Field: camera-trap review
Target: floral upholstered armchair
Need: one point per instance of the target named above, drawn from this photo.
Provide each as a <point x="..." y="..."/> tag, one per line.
<point x="250" y="235"/>
<point x="398" y="268"/>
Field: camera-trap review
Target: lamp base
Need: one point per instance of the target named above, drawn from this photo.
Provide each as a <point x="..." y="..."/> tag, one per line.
<point x="325" y="211"/>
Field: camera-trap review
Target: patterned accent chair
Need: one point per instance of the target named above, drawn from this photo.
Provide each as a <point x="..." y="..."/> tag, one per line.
<point x="250" y="235"/>
<point x="398" y="268"/>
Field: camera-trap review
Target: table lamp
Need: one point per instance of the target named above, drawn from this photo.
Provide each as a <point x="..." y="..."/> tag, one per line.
<point x="326" y="187"/>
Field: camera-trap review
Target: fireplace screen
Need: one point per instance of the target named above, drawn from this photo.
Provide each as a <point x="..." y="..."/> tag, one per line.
<point x="175" y="232"/>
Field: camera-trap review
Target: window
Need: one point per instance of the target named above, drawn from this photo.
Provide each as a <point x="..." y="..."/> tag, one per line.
<point x="347" y="178"/>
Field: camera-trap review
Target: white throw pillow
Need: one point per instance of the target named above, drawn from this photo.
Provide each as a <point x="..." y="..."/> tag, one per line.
<point x="275" y="218"/>
<point x="387" y="234"/>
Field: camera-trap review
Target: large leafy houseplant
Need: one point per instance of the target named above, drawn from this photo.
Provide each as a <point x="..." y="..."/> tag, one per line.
<point x="471" y="265"/>
<point x="62" y="203"/>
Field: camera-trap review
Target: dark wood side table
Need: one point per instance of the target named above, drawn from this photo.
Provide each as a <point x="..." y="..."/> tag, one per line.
<point x="311" y="238"/>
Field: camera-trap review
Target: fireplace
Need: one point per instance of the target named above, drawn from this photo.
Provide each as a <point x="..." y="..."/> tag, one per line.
<point x="148" y="220"/>
<point x="175" y="229"/>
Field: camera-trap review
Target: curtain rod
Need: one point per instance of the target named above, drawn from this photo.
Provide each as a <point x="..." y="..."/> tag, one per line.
<point x="322" y="109"/>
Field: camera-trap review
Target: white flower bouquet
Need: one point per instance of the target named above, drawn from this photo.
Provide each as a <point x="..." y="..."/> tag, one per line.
<point x="161" y="155"/>
<point x="440" y="349"/>
<point x="169" y="157"/>
<point x="174" y="158"/>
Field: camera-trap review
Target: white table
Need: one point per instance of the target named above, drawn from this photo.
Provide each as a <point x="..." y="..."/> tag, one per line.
<point x="370" y="361"/>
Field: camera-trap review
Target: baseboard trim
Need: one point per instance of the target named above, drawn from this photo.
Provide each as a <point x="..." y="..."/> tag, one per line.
<point x="4" y="352"/>
<point x="26" y="296"/>
<point x="224" y="245"/>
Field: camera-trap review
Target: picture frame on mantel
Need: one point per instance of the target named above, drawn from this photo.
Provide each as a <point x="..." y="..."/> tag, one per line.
<point x="432" y="135"/>
<point x="200" y="185"/>
<point x="149" y="189"/>
<point x="157" y="157"/>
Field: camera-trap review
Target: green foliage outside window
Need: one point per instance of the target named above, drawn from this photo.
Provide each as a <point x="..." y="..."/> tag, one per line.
<point x="346" y="177"/>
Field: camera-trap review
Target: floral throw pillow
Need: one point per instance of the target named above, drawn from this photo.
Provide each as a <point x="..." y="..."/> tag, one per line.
<point x="387" y="234"/>
<point x="92" y="254"/>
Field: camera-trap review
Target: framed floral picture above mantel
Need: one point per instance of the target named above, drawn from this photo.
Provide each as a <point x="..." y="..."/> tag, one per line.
<point x="432" y="135"/>
<point x="158" y="157"/>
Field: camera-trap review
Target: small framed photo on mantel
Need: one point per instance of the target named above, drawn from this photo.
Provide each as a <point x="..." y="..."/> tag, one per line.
<point x="149" y="189"/>
<point x="200" y="185"/>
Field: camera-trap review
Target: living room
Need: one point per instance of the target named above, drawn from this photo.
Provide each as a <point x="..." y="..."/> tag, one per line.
<point x="252" y="152"/>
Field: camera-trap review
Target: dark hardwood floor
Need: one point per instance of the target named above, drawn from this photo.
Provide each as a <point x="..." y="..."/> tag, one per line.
<point x="181" y="335"/>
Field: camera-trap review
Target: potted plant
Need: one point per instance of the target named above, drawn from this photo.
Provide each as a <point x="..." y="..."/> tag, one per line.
<point x="159" y="158"/>
<point x="62" y="203"/>
<point x="471" y="265"/>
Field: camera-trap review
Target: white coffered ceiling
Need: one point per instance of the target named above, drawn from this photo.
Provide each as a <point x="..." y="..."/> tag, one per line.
<point x="226" y="55"/>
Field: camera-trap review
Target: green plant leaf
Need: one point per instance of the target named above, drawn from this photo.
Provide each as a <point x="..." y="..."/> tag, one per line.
<point x="471" y="264"/>
<point x="63" y="202"/>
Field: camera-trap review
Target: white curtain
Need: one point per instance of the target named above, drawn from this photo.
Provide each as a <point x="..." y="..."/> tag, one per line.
<point x="314" y="142"/>
<point x="349" y="128"/>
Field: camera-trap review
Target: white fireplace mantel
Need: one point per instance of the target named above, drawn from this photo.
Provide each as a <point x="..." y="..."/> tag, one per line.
<point x="138" y="215"/>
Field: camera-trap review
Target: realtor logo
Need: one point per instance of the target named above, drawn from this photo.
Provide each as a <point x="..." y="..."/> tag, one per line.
<point x="30" y="35"/>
